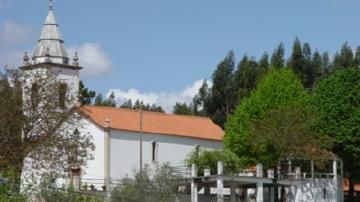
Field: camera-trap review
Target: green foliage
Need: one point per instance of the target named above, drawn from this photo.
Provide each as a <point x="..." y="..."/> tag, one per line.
<point x="278" y="88"/>
<point x="223" y="97"/>
<point x="6" y="195"/>
<point x="183" y="109"/>
<point x="277" y="58"/>
<point x="207" y="159"/>
<point x="140" y="105"/>
<point x="147" y="186"/>
<point x="288" y="132"/>
<point x="245" y="77"/>
<point x="338" y="100"/>
<point x="85" y="95"/>
<point x="109" y="102"/>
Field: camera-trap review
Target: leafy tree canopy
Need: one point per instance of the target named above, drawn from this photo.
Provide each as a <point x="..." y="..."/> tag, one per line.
<point x="207" y="159"/>
<point x="338" y="100"/>
<point x="279" y="88"/>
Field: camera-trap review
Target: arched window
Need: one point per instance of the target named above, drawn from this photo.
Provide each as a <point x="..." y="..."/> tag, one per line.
<point x="62" y="95"/>
<point x="154" y="157"/>
<point x="34" y="95"/>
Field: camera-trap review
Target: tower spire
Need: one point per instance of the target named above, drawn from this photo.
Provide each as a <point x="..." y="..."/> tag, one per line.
<point x="50" y="5"/>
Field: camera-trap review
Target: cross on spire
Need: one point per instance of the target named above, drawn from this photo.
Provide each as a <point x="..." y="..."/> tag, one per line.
<point x="50" y="5"/>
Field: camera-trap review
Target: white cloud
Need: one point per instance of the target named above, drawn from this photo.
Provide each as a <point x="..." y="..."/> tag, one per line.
<point x="164" y="99"/>
<point x="13" y="33"/>
<point x="93" y="58"/>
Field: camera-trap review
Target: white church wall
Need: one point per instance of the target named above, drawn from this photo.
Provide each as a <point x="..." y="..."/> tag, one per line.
<point x="125" y="150"/>
<point x="93" y="173"/>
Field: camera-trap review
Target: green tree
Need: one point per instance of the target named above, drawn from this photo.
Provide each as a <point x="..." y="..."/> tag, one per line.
<point x="297" y="58"/>
<point x="338" y="100"/>
<point x="99" y="100"/>
<point x="264" y="64"/>
<point x="110" y="101"/>
<point x="207" y="159"/>
<point x="277" y="58"/>
<point x="288" y="132"/>
<point x="159" y="185"/>
<point x="356" y="62"/>
<point x="33" y="127"/>
<point x="182" y="109"/>
<point x="316" y="64"/>
<point x="202" y="100"/>
<point x="325" y="64"/>
<point x="245" y="77"/>
<point x="127" y="105"/>
<point x="345" y="58"/>
<point x="85" y="95"/>
<point x="223" y="97"/>
<point x="278" y="88"/>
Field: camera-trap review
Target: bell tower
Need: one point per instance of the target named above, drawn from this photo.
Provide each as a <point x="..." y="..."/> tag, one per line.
<point x="50" y="57"/>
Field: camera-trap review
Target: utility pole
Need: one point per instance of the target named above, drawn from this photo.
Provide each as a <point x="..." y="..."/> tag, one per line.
<point x="141" y="139"/>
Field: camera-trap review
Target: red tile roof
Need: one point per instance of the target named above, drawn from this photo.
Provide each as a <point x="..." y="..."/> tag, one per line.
<point x="154" y="122"/>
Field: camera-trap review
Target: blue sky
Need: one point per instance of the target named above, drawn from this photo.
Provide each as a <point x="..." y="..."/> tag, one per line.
<point x="158" y="49"/>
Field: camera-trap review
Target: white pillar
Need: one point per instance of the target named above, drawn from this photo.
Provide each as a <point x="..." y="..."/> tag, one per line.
<point x="312" y="169"/>
<point x="107" y="137"/>
<point x="259" y="185"/>
<point x="194" y="191"/>
<point x="220" y="182"/>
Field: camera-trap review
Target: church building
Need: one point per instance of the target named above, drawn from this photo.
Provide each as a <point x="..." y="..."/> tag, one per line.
<point x="124" y="139"/>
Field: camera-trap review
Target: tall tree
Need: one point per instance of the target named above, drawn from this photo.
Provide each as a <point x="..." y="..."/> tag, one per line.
<point x="345" y="58"/>
<point x="110" y="101"/>
<point x="308" y="72"/>
<point x="278" y="88"/>
<point x="245" y="77"/>
<point x="338" y="100"/>
<point x="288" y="132"/>
<point x="326" y="64"/>
<point x="356" y="62"/>
<point x="264" y="64"/>
<point x="277" y="58"/>
<point x="182" y="109"/>
<point x="85" y="95"/>
<point x="297" y="58"/>
<point x="316" y="64"/>
<point x="202" y="100"/>
<point x="33" y="127"/>
<point x="99" y="100"/>
<point x="222" y="93"/>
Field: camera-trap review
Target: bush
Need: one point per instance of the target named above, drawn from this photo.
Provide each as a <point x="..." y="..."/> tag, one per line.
<point x="207" y="159"/>
<point x="160" y="185"/>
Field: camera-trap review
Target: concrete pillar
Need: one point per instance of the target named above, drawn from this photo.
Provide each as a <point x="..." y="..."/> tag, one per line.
<point x="289" y="167"/>
<point x="259" y="185"/>
<point x="270" y="174"/>
<point x="297" y="173"/>
<point x="232" y="192"/>
<point x="107" y="153"/>
<point x="194" y="187"/>
<point x="337" y="182"/>
<point x="220" y="182"/>
<point x="207" y="173"/>
<point x="312" y="169"/>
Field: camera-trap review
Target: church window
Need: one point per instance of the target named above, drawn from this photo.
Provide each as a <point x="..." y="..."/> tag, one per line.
<point x="34" y="94"/>
<point x="154" y="151"/>
<point x="62" y="95"/>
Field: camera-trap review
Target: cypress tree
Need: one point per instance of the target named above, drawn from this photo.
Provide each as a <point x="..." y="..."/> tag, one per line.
<point x="277" y="58"/>
<point x="223" y="96"/>
<point x="297" y="58"/>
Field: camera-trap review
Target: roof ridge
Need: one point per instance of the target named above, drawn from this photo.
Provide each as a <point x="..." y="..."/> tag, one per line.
<point x="150" y="112"/>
